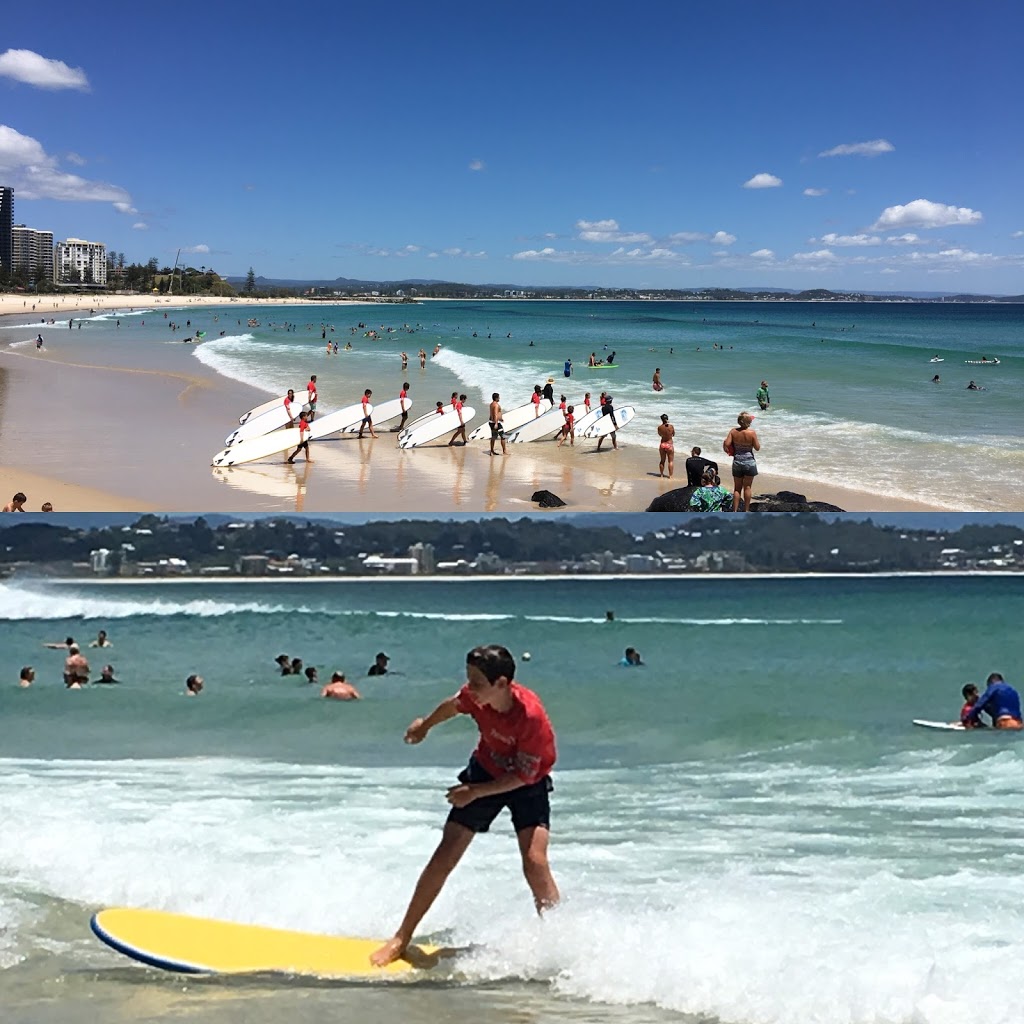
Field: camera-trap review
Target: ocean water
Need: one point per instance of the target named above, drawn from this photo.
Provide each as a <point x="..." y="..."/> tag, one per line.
<point x="852" y="399"/>
<point x="746" y="830"/>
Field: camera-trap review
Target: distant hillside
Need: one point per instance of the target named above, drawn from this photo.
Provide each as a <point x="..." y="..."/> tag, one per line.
<point x="454" y="289"/>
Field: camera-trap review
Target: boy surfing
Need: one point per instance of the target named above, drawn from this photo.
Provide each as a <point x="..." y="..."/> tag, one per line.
<point x="509" y="768"/>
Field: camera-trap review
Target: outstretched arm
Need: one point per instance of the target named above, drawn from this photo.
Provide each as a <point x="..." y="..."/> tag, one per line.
<point x="417" y="731"/>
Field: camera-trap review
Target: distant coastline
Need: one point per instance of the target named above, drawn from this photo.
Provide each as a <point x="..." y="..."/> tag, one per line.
<point x="482" y="578"/>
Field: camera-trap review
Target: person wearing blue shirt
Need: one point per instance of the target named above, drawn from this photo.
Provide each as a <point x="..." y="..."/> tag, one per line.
<point x="631" y="657"/>
<point x="1000" y="702"/>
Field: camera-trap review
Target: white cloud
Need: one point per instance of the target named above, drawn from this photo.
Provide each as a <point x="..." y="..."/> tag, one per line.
<point x="74" y="158"/>
<point x="32" y="69"/>
<point x="888" y="270"/>
<point x="821" y="256"/>
<point x="1017" y="234"/>
<point x="620" y="257"/>
<point x="834" y="239"/>
<point x="763" y="181"/>
<point x="908" y="238"/>
<point x="197" y="250"/>
<point x="922" y="213"/>
<point x="140" y="226"/>
<point x="874" y="148"/>
<point x="534" y="254"/>
<point x="465" y="254"/>
<point x="686" y="237"/>
<point x="763" y="254"/>
<point x="815" y="191"/>
<point x="33" y="174"/>
<point x="125" y="208"/>
<point x="608" y="231"/>
<point x="411" y="248"/>
<point x="477" y="165"/>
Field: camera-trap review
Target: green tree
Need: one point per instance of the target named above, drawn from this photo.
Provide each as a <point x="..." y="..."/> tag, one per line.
<point x="250" y="282"/>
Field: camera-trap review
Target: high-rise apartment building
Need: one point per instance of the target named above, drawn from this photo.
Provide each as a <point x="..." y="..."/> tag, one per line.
<point x="77" y="261"/>
<point x="6" y="224"/>
<point x="32" y="252"/>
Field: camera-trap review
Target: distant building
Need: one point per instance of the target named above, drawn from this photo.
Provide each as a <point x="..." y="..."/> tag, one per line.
<point x="425" y="559"/>
<point x="99" y="561"/>
<point x="6" y="225"/>
<point x="252" y="565"/>
<point x="32" y="251"/>
<point x="77" y="261"/>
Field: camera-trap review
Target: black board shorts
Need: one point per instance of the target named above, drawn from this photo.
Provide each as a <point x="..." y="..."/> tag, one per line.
<point x="529" y="805"/>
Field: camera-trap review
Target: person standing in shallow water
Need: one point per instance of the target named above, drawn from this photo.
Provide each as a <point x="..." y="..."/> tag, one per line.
<point x="510" y="768"/>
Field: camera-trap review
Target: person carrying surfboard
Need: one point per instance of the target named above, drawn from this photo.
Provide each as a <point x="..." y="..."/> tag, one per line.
<point x="311" y="391"/>
<point x="303" y="437"/>
<point x="510" y="768"/>
<point x="289" y="403"/>
<point x="367" y="416"/>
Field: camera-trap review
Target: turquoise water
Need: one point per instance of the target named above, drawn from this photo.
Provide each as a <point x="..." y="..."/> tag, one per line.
<point x="747" y="829"/>
<point x="852" y="398"/>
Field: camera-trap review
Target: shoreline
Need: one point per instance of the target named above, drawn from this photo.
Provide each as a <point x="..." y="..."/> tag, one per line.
<point x="163" y="424"/>
<point x="488" y="578"/>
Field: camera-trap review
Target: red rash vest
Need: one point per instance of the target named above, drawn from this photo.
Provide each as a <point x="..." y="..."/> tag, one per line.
<point x="520" y="741"/>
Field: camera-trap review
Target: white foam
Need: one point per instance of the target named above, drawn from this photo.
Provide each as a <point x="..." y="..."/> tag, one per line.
<point x="810" y="899"/>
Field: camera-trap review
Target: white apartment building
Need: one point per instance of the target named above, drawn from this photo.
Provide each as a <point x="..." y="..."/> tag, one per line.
<point x="74" y="257"/>
<point x="32" y="249"/>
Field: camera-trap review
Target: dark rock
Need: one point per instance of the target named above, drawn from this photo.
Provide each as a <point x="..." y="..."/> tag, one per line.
<point x="678" y="500"/>
<point x="547" y="500"/>
<point x="785" y="501"/>
<point x="672" y="501"/>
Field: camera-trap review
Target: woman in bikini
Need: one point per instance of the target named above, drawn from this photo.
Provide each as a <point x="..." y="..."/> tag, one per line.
<point x="666" y="446"/>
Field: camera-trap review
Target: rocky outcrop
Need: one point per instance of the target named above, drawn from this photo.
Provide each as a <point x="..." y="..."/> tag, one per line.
<point x="678" y="500"/>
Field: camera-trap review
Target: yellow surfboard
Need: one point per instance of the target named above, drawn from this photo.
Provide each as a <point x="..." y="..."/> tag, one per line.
<point x="199" y="945"/>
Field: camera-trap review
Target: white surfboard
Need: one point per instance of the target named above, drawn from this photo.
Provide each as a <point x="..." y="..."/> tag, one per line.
<point x="259" y="410"/>
<point x="587" y="419"/>
<point x="382" y="413"/>
<point x="255" y="448"/>
<point x="425" y="418"/>
<point x="946" y="726"/>
<point x="606" y="424"/>
<point x="265" y="423"/>
<point x="512" y="420"/>
<point x="436" y="427"/>
<point x="540" y="429"/>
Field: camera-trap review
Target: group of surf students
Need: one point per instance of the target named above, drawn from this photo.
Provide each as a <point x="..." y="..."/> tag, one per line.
<point x="1000" y="702"/>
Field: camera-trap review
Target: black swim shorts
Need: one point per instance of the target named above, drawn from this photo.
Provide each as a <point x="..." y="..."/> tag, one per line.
<point x="497" y="429"/>
<point x="529" y="805"/>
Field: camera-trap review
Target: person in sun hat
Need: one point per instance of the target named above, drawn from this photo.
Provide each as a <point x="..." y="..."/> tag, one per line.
<point x="548" y="391"/>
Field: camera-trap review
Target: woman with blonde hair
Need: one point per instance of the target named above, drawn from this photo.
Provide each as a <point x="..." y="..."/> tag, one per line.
<point x="741" y="442"/>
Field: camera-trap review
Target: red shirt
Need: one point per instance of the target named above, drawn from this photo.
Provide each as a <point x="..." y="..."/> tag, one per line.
<point x="569" y="420"/>
<point x="311" y="388"/>
<point x="288" y="408"/>
<point x="535" y="399"/>
<point x="303" y="426"/>
<point x="520" y="741"/>
<point x="403" y="393"/>
<point x="366" y="402"/>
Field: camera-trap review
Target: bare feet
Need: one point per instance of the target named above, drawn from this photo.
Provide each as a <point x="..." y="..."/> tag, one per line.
<point x="389" y="952"/>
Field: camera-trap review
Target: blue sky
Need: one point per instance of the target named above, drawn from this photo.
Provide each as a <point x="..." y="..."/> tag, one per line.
<point x="650" y="144"/>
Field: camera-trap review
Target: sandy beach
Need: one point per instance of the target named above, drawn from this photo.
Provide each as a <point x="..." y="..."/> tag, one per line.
<point x="122" y="437"/>
<point x="45" y="306"/>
